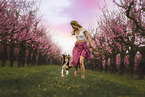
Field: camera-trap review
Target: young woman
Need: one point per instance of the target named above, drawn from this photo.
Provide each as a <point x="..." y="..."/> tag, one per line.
<point x="81" y="50"/>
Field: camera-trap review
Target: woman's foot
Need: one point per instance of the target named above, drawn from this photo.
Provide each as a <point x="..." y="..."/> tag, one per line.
<point x="75" y="74"/>
<point x="83" y="76"/>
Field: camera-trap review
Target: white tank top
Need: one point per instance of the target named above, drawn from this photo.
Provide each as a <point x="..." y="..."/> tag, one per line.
<point x="81" y="35"/>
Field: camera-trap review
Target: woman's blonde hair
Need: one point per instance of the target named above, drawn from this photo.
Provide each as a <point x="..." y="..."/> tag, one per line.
<point x="75" y="23"/>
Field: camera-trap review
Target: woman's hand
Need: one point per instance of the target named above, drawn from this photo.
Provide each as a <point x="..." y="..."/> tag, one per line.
<point x="93" y="48"/>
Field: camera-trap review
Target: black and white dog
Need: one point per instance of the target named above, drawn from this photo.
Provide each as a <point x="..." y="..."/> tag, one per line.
<point x="65" y="65"/>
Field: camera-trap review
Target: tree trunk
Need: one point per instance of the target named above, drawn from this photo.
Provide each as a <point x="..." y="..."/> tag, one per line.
<point x="29" y="58"/>
<point x="113" y="64"/>
<point x="40" y="59"/>
<point x="132" y="54"/>
<point x="50" y="61"/>
<point x="114" y="68"/>
<point x="122" y="56"/>
<point x="21" y="56"/>
<point x="44" y="59"/>
<point x="33" y="58"/>
<point x="1" y="47"/>
<point x="142" y="64"/>
<point x="4" y="55"/>
<point x="106" y="65"/>
<point x="11" y="56"/>
<point x="101" y="65"/>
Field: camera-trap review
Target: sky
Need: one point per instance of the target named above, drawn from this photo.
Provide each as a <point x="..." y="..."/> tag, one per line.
<point x="57" y="15"/>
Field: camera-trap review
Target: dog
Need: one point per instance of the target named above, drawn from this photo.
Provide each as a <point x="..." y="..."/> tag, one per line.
<point x="65" y="65"/>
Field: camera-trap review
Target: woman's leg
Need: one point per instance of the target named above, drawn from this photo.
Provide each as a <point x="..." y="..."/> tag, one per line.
<point x="76" y="69"/>
<point x="82" y="66"/>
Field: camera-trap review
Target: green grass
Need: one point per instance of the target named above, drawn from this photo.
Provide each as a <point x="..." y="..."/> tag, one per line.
<point x="45" y="81"/>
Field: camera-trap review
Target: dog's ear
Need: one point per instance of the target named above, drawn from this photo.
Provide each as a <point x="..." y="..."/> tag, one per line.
<point x="63" y="55"/>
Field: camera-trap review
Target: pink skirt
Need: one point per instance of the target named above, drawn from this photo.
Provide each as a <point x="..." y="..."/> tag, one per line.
<point x="80" y="50"/>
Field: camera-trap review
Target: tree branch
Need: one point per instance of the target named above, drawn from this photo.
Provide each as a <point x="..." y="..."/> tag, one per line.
<point x="132" y="18"/>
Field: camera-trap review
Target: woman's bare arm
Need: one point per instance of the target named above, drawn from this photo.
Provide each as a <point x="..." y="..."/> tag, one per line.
<point x="88" y="38"/>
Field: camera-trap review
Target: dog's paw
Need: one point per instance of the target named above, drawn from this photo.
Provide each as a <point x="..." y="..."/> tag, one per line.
<point x="62" y="75"/>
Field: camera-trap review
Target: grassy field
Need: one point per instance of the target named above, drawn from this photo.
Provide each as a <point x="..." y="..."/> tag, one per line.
<point x="45" y="81"/>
